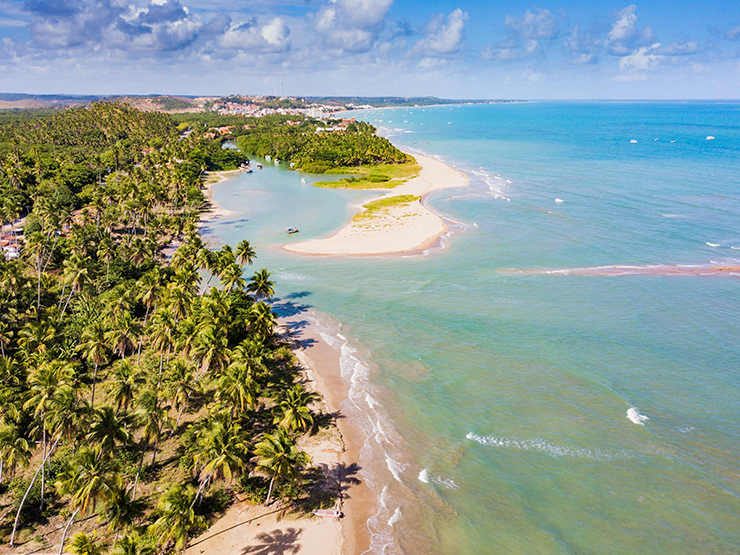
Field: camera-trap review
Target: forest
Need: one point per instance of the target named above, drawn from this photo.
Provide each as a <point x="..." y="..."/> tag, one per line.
<point x="143" y="383"/>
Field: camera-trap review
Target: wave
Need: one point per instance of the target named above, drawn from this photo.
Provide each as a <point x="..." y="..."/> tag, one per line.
<point x="712" y="244"/>
<point x="289" y="276"/>
<point x="544" y="446"/>
<point x="424" y="476"/>
<point x="380" y="458"/>
<point x="634" y="415"/>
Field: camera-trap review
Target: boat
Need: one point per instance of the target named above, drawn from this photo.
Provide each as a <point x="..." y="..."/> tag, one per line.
<point x="303" y="180"/>
<point x="328" y="513"/>
<point x="259" y="166"/>
<point x="249" y="170"/>
<point x="291" y="230"/>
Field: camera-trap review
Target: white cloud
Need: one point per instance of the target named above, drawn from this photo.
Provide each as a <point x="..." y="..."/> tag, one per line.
<point x="444" y="38"/>
<point x="681" y="48"/>
<point x="352" y="25"/>
<point x="273" y="37"/>
<point x="540" y="25"/>
<point x="582" y="47"/>
<point x="642" y="59"/>
<point x="624" y="36"/>
<point x="733" y="34"/>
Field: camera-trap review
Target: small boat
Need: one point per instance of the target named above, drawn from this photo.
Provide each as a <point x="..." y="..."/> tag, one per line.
<point x="259" y="166"/>
<point x="303" y="180"/>
<point x="249" y="170"/>
<point x="328" y="513"/>
<point x="291" y="230"/>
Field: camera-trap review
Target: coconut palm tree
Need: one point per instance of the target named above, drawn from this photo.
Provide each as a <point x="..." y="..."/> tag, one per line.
<point x="85" y="544"/>
<point x="121" y="510"/>
<point x="123" y="332"/>
<point x="88" y="479"/>
<point x="180" y="385"/>
<point x="211" y="350"/>
<point x="162" y="335"/>
<point x="238" y="390"/>
<point x="278" y="458"/>
<point x="135" y="544"/>
<point x="15" y="451"/>
<point x="108" y="429"/>
<point x="106" y="251"/>
<point x="154" y="419"/>
<point x="231" y="277"/>
<point x="44" y="383"/>
<point x="293" y="413"/>
<point x="221" y="453"/>
<point x="260" y="285"/>
<point x="262" y="320"/>
<point x="124" y="383"/>
<point x="175" y="518"/>
<point x="245" y="253"/>
<point x="93" y="348"/>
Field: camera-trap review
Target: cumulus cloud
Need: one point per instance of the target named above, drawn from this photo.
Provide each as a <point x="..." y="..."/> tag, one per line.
<point x="624" y="36"/>
<point x="684" y="48"/>
<point x="642" y="59"/>
<point x="581" y="47"/>
<point x="526" y="36"/>
<point x="273" y="37"/>
<point x="352" y="25"/>
<point x="444" y="38"/>
<point x="540" y="25"/>
<point x="733" y="34"/>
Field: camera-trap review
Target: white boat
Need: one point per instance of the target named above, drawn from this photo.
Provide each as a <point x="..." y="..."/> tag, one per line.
<point x="328" y="513"/>
<point x="303" y="180"/>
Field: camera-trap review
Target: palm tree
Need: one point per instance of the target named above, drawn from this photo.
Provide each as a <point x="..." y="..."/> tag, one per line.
<point x="180" y="385"/>
<point x="44" y="383"/>
<point x="69" y="415"/>
<point x="221" y="453"/>
<point x="238" y="390"/>
<point x="125" y="381"/>
<point x="107" y="252"/>
<point x="293" y="413"/>
<point x="260" y="285"/>
<point x="278" y="458"/>
<point x="14" y="451"/>
<point x="121" y="510"/>
<point x="176" y="518"/>
<point x="262" y="320"/>
<point x="5" y="337"/>
<point x="123" y="332"/>
<point x="153" y="419"/>
<point x="211" y="350"/>
<point x="93" y="348"/>
<point x="108" y="428"/>
<point x="88" y="479"/>
<point x="231" y="277"/>
<point x="163" y="335"/>
<point x="245" y="253"/>
<point x="85" y="544"/>
<point x="135" y="544"/>
<point x="75" y="271"/>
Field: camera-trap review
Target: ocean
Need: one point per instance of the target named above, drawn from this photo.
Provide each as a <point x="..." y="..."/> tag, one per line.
<point x="517" y="399"/>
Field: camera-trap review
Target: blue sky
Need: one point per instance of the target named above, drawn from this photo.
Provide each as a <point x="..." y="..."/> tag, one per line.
<point x="566" y="49"/>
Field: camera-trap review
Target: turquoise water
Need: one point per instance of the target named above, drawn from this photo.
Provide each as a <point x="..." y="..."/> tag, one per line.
<point x="495" y="402"/>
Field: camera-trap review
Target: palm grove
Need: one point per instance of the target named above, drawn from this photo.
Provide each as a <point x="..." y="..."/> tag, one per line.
<point x="137" y="391"/>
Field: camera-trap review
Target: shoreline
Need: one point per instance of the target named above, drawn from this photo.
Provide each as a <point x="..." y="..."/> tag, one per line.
<point x="402" y="228"/>
<point x="335" y="449"/>
<point x="214" y="210"/>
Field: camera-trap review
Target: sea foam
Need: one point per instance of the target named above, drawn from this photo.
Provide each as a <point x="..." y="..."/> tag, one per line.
<point x="544" y="446"/>
<point x="634" y="415"/>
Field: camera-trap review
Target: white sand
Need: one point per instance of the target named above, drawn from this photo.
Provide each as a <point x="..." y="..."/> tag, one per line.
<point x="396" y="229"/>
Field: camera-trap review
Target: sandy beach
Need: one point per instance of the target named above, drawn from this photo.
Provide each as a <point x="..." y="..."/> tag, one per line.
<point x="249" y="528"/>
<point x="214" y="210"/>
<point x="400" y="228"/>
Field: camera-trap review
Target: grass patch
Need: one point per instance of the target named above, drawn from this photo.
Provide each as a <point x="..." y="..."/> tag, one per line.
<point x="381" y="176"/>
<point x="383" y="204"/>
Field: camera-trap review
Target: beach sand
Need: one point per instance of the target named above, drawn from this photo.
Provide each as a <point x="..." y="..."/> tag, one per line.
<point x="397" y="229"/>
<point x="214" y="210"/>
<point x="258" y="529"/>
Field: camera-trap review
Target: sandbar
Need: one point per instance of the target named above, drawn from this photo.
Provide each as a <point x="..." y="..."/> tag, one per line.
<point x="397" y="229"/>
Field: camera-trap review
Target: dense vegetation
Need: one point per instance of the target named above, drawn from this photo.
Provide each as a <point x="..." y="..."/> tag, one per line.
<point x="135" y="397"/>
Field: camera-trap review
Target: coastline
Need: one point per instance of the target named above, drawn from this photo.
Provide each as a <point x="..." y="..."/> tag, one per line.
<point x="213" y="210"/>
<point x="335" y="449"/>
<point x="400" y="228"/>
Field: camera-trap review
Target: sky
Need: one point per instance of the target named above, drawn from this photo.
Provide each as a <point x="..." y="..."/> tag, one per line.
<point x="463" y="49"/>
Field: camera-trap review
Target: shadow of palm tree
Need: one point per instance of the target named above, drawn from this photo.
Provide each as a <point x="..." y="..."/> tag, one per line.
<point x="277" y="542"/>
